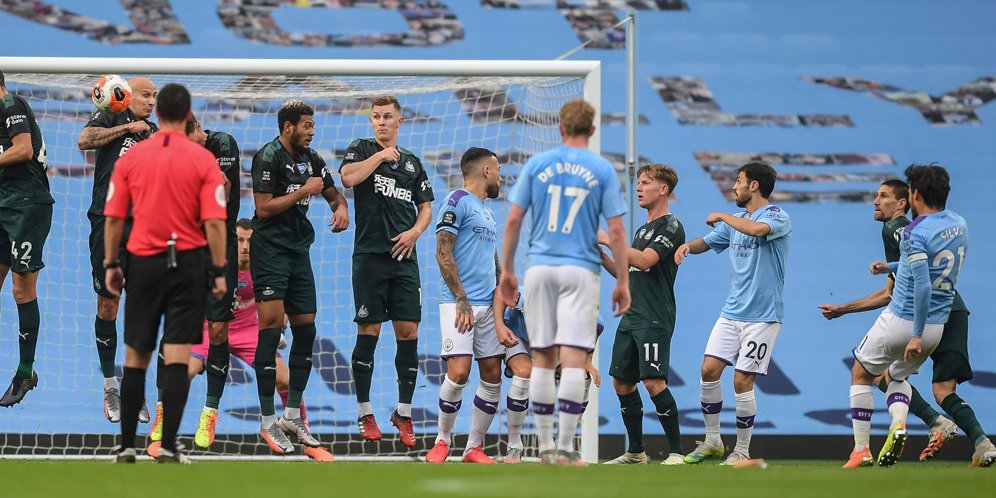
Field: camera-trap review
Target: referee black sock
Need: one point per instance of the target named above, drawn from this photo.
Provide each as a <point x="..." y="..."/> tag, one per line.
<point x="363" y="365"/>
<point x="406" y="362"/>
<point x="107" y="344"/>
<point x="27" y="319"/>
<point x="132" y="398"/>
<point x="299" y="362"/>
<point x="265" y="365"/>
<point x="175" y="389"/>
<point x="631" y="406"/>
<point x="667" y="413"/>
<point x="160" y="363"/>
<point x="217" y="372"/>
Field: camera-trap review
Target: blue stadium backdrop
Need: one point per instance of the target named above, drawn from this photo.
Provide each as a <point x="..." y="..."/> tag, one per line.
<point x="838" y="95"/>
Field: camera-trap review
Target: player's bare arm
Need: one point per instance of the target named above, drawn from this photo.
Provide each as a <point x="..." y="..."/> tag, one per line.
<point x="506" y="337"/>
<point x="268" y="206"/>
<point x="607" y="262"/>
<point x="114" y="276"/>
<point x="641" y="260"/>
<point x="340" y="209"/>
<point x="21" y="150"/>
<point x="618" y="244"/>
<point x="508" y="284"/>
<point x="742" y="225"/>
<point x="215" y="231"/>
<point x="95" y="137"/>
<point x="404" y="242"/>
<point x="356" y="173"/>
<point x="873" y="301"/>
<point x="445" y="242"/>
<point x="696" y="246"/>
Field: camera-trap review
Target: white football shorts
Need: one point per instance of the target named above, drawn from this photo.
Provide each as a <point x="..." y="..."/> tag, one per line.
<point x="480" y="342"/>
<point x="747" y="345"/>
<point x="883" y="346"/>
<point x="560" y="304"/>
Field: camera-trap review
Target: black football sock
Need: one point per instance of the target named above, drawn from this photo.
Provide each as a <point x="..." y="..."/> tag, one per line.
<point x="27" y="320"/>
<point x="631" y="406"/>
<point x="299" y="362"/>
<point x="667" y="413"/>
<point x="363" y="362"/>
<point x="106" y="332"/>
<point x="132" y="397"/>
<point x="265" y="365"/>
<point x="406" y="363"/>
<point x="217" y="372"/>
<point x="175" y="389"/>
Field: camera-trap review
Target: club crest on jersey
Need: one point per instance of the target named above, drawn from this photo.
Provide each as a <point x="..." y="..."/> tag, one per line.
<point x="649" y="235"/>
<point x="448" y="345"/>
<point x="642" y="231"/>
<point x="243" y="284"/>
<point x="409" y="167"/>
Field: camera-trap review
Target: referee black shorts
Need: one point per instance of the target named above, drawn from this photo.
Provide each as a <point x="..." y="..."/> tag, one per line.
<point x="154" y="292"/>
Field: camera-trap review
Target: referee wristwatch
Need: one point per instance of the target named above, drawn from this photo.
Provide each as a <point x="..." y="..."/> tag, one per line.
<point x="113" y="264"/>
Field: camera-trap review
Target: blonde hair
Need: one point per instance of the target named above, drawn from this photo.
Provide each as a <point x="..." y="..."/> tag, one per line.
<point x="386" y="100"/>
<point x="577" y="117"/>
<point x="663" y="173"/>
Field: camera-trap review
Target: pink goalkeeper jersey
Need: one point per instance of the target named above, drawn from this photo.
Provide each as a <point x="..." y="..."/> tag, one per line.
<point x="243" y="330"/>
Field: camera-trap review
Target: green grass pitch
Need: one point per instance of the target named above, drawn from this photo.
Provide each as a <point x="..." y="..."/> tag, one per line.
<point x="788" y="479"/>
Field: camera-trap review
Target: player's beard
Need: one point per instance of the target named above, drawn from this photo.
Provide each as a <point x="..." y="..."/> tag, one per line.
<point x="299" y="140"/>
<point x="742" y="201"/>
<point x="492" y="190"/>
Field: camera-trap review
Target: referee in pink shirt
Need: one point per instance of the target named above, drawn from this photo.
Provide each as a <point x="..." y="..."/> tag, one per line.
<point x="176" y="194"/>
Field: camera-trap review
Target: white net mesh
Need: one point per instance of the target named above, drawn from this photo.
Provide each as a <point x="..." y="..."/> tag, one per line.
<point x="514" y="116"/>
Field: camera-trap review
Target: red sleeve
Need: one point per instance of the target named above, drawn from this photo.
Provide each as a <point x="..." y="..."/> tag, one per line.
<point x="212" y="196"/>
<point x="118" y="193"/>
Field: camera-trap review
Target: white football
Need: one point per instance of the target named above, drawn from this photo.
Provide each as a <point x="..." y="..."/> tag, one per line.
<point x="111" y="93"/>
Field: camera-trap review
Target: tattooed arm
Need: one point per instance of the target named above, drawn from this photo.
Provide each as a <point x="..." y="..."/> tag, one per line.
<point x="445" y="241"/>
<point x="95" y="137"/>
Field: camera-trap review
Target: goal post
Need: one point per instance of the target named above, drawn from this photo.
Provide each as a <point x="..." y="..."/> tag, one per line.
<point x="507" y="106"/>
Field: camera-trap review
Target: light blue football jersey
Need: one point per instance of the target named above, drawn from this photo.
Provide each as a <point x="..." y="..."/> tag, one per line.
<point x="463" y="214"/>
<point x="757" y="286"/>
<point x="940" y="239"/>
<point x="564" y="192"/>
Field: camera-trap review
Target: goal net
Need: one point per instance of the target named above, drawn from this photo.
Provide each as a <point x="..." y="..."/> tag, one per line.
<point x="506" y="106"/>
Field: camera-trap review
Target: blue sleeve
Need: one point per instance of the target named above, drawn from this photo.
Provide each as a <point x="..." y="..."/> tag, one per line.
<point x="612" y="200"/>
<point x="917" y="259"/>
<point x="921" y="295"/>
<point x="521" y="193"/>
<point x="719" y="238"/>
<point x="778" y="221"/>
<point x="450" y="215"/>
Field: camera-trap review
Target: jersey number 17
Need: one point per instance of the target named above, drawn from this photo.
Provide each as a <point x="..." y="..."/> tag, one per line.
<point x="577" y="193"/>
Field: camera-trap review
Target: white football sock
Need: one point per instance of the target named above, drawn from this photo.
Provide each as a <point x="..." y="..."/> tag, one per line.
<point x="365" y="409"/>
<point x="569" y="397"/>
<point x="898" y="399"/>
<point x="292" y="413"/>
<point x="404" y="409"/>
<point x="485" y="407"/>
<point x="267" y="421"/>
<point x="543" y="396"/>
<point x="712" y="406"/>
<point x="746" y="410"/>
<point x="450" y="399"/>
<point x="517" y="405"/>
<point x="110" y="382"/>
<point x="862" y="408"/>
